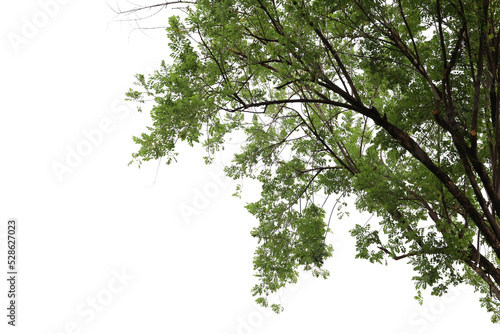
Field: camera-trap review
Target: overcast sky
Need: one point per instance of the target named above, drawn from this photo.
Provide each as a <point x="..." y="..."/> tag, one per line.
<point x="110" y="248"/>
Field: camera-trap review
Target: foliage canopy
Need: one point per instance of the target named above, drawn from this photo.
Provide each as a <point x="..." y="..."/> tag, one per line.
<point x="392" y="103"/>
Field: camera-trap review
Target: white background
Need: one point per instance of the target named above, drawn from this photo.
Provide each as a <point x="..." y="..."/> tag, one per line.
<point x="188" y="273"/>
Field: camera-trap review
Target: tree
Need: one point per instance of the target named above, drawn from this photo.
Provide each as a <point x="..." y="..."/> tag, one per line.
<point x="392" y="103"/>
